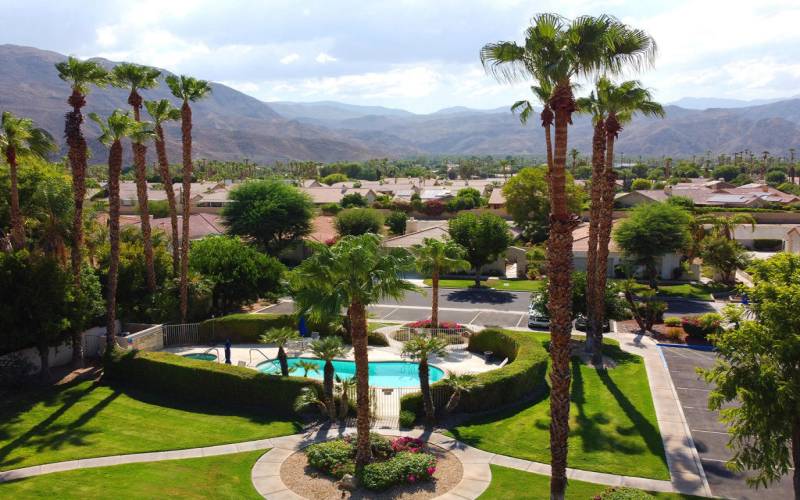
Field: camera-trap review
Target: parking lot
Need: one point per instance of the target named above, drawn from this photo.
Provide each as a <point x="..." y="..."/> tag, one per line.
<point x="709" y="434"/>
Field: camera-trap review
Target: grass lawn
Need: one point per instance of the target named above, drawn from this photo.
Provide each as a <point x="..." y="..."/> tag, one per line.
<point x="695" y="291"/>
<point x="613" y="424"/>
<point x="512" y="483"/>
<point x="88" y="420"/>
<point x="498" y="284"/>
<point x="374" y="325"/>
<point x="226" y="476"/>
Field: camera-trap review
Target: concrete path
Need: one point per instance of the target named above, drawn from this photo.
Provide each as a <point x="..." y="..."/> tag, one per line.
<point x="683" y="461"/>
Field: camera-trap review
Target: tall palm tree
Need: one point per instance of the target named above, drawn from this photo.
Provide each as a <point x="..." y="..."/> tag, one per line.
<point x="112" y="131"/>
<point x="187" y="89"/>
<point x="542" y="92"/>
<point x="136" y="77"/>
<point x="421" y="348"/>
<point x="352" y="274"/>
<point x="80" y="75"/>
<point x="725" y="225"/>
<point x="280" y="337"/>
<point x="435" y="257"/>
<point x="162" y="111"/>
<point x="19" y="138"/>
<point x="328" y="348"/>
<point x="558" y="50"/>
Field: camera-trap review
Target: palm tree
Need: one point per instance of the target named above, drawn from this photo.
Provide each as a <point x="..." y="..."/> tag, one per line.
<point x="614" y="105"/>
<point x="135" y="77"/>
<point x="306" y="366"/>
<point x="345" y="385"/>
<point x="280" y="337"/>
<point x="308" y="396"/>
<point x="574" y="153"/>
<point x="421" y="348"/>
<point x="435" y="257"/>
<point x="162" y="111"/>
<point x="459" y="384"/>
<point x="113" y="129"/>
<point x="187" y="89"/>
<point x="724" y="226"/>
<point x="542" y="92"/>
<point x="352" y="274"/>
<point x="19" y="138"/>
<point x="557" y="50"/>
<point x="80" y="75"/>
<point x="328" y="348"/>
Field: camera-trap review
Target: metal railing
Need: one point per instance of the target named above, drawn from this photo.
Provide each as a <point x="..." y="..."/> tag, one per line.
<point x="183" y="334"/>
<point x="250" y="355"/>
<point x="453" y="336"/>
<point x="216" y="350"/>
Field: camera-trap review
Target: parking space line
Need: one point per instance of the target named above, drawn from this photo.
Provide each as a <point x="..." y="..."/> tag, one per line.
<point x="390" y="313"/>
<point x="472" y="321"/>
<point x="693" y="389"/>
<point x="709" y="432"/>
<point x="521" y="316"/>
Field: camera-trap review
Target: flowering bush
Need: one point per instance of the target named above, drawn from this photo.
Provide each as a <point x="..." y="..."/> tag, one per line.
<point x="433" y="207"/>
<point x="404" y="467"/>
<point x="412" y="445"/>
<point x="426" y="323"/>
<point x="702" y="326"/>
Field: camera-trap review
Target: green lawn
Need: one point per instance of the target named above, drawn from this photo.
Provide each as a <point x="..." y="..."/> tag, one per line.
<point x="374" y="325"/>
<point x="226" y="476"/>
<point x="512" y="483"/>
<point x="696" y="291"/>
<point x="498" y="284"/>
<point x="612" y="421"/>
<point x="88" y="420"/>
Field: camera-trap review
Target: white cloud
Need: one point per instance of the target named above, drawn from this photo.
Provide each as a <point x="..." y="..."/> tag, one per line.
<point x="289" y="59"/>
<point x="323" y="58"/>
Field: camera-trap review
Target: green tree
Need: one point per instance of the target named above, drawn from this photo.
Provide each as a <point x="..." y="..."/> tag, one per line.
<point x="332" y="179"/>
<point x="280" y="337"/>
<point x="651" y="231"/>
<point x="239" y="273"/>
<point x="187" y="89"/>
<point x="353" y="200"/>
<point x="459" y="384"/>
<point x="484" y="238"/>
<point x="435" y="257"/>
<point x="306" y="366"/>
<point x="421" y="348"/>
<point x="724" y="256"/>
<point x="397" y="222"/>
<point x="357" y="221"/>
<point x="528" y="202"/>
<point x="328" y="349"/>
<point x="757" y="370"/>
<point x="775" y="177"/>
<point x="641" y="184"/>
<point x="352" y="274"/>
<point x="272" y="213"/>
<point x="726" y="172"/>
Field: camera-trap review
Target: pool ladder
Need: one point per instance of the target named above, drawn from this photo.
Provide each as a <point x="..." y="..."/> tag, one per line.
<point x="216" y="350"/>
<point x="258" y="351"/>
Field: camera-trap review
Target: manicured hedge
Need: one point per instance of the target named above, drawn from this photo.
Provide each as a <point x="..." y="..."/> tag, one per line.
<point x="186" y="379"/>
<point x="523" y="375"/>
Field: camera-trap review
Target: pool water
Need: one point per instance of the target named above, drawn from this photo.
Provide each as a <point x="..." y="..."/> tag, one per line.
<point x="201" y="356"/>
<point x="381" y="373"/>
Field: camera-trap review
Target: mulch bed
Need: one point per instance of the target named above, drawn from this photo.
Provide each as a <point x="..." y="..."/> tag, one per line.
<point x="307" y="482"/>
<point x="659" y="334"/>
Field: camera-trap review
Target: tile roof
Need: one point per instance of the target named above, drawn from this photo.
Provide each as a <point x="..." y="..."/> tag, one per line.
<point x="439" y="232"/>
<point x="497" y="198"/>
<point x="323" y="229"/>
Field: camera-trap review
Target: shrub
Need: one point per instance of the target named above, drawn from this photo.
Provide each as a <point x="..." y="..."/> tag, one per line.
<point x="623" y="493"/>
<point x="158" y="208"/>
<point x="353" y="200"/>
<point x="407" y="418"/>
<point x="639" y="184"/>
<point x="433" y="208"/>
<point x="401" y="206"/>
<point x="333" y="179"/>
<point x="405" y="443"/>
<point x="402" y="468"/>
<point x="702" y="326"/>
<point x="427" y="323"/>
<point x="179" y="378"/>
<point x="672" y="322"/>
<point x="397" y="222"/>
<point x="333" y="457"/>
<point x="522" y="376"/>
<point x="357" y="221"/>
<point x="330" y="209"/>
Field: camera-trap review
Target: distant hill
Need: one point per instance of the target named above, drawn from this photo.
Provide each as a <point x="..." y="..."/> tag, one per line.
<point x="718" y="102"/>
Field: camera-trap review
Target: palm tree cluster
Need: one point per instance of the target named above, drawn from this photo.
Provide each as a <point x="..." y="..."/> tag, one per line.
<point x="555" y="54"/>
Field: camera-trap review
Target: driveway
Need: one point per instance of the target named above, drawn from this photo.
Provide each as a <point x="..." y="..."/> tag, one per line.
<point x="708" y="433"/>
<point x="477" y="307"/>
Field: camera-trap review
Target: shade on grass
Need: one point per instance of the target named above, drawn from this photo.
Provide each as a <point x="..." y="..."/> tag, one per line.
<point x="499" y="284"/>
<point x="511" y="483"/>
<point x="219" y="477"/>
<point x="88" y="420"/>
<point x="613" y="424"/>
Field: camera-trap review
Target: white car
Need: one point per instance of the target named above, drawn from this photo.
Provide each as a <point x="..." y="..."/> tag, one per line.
<point x="537" y="316"/>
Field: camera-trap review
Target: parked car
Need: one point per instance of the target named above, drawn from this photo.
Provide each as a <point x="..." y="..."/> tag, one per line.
<point x="580" y="324"/>
<point x="537" y="314"/>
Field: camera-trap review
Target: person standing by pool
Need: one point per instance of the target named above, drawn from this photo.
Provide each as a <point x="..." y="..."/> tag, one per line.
<point x="228" y="351"/>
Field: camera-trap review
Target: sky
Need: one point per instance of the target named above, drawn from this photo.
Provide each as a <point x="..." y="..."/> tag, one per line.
<point x="416" y="55"/>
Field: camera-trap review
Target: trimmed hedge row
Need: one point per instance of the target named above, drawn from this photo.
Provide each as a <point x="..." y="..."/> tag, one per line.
<point x="181" y="378"/>
<point x="523" y="375"/>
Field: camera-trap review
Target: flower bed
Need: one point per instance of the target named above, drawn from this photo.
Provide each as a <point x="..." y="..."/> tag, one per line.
<point x="401" y="460"/>
<point x="443" y="325"/>
<point x="701" y="327"/>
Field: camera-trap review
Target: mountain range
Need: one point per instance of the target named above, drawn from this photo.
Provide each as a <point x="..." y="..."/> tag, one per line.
<point x="230" y="125"/>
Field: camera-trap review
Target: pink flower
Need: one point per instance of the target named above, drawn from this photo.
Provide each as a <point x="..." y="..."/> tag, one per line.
<point x="412" y="478"/>
<point x="431" y="470"/>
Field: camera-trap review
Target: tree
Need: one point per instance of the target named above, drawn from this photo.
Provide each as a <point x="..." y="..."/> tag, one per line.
<point x="527" y="200"/>
<point x="459" y="384"/>
<point x="136" y="77"/>
<point x="726" y="172"/>
<point x="239" y="273"/>
<point x="345" y="385"/>
<point x="725" y="225"/>
<point x="724" y="256"/>
<point x="79" y="75"/>
<point x="328" y="349"/>
<point x="757" y="370"/>
<point x="397" y="222"/>
<point x="421" y="348"/>
<point x="113" y="129"/>
<point x="435" y="257"/>
<point x="651" y="231"/>
<point x="18" y="138"/>
<point x="357" y="221"/>
<point x="49" y="211"/>
<point x="641" y="184"/>
<point x="280" y="337"/>
<point x="484" y="239"/>
<point x="161" y="112"/>
<point x="775" y="177"/>
<point x="352" y="274"/>
<point x="353" y="200"/>
<point x="272" y="213"/>
<point x="543" y="92"/>
<point x="306" y="366"/>
<point x="187" y="89"/>
<point x="332" y="179"/>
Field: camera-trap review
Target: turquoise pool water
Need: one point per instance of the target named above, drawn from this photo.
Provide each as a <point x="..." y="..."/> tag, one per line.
<point x="381" y="373"/>
<point x="201" y="356"/>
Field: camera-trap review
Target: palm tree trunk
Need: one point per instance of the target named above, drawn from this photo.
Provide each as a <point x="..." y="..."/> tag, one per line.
<point x="44" y="360"/>
<point x="327" y="387"/>
<point x="452" y="403"/>
<point x="283" y="361"/>
<point x="139" y="155"/>
<point x="17" y="231"/>
<point x="358" y="324"/>
<point x="435" y="299"/>
<point x="547" y="122"/>
<point x="425" y="388"/>
<point x="477" y="276"/>
<point x="166" y="179"/>
<point x="186" y="132"/>
<point x="114" y="169"/>
<point x="77" y="162"/>
<point x="598" y="160"/>
<point x="559" y="258"/>
<point x="608" y="181"/>
<point x="796" y="455"/>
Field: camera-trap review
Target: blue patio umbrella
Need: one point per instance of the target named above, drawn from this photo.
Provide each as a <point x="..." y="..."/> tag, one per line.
<point x="302" y="327"/>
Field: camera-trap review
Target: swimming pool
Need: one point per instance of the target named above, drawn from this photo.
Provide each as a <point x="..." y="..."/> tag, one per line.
<point x="381" y="373"/>
<point x="202" y="356"/>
